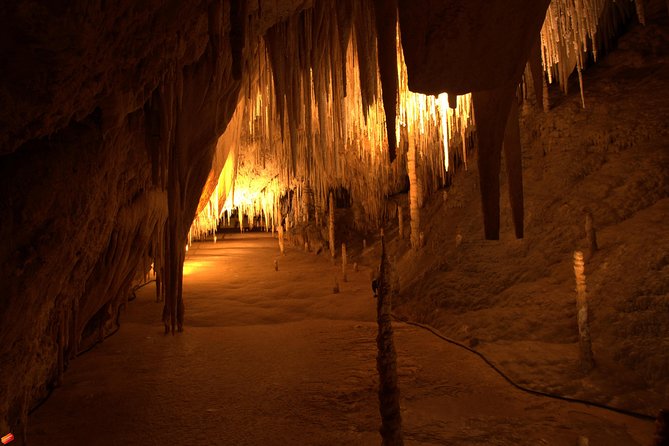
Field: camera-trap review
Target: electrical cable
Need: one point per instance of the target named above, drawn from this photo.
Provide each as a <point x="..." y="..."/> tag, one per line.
<point x="629" y="413"/>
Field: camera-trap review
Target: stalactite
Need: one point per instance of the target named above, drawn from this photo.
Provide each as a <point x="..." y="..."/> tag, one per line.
<point x="311" y="116"/>
<point x="573" y="28"/>
<point x="386" y="29"/>
<point x="386" y="360"/>
<point x="415" y="191"/>
<point x="514" y="168"/>
<point x="491" y="109"/>
<point x="538" y="82"/>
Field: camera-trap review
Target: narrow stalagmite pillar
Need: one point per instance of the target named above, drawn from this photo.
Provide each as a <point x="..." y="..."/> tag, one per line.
<point x="282" y="243"/>
<point x="343" y="261"/>
<point x="587" y="361"/>
<point x="331" y="225"/>
<point x="400" y="220"/>
<point x="590" y="234"/>
<point x="415" y="192"/>
<point x="276" y="265"/>
<point x="386" y="360"/>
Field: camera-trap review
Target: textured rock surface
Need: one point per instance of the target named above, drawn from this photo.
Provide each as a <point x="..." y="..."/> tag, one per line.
<point x="108" y="126"/>
<point x="96" y="102"/>
<point x="515" y="299"/>
<point x="461" y="46"/>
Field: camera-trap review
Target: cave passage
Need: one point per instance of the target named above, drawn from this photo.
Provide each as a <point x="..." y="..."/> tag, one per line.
<point x="276" y="358"/>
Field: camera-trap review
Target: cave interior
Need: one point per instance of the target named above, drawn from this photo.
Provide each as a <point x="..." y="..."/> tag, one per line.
<point x="334" y="222"/>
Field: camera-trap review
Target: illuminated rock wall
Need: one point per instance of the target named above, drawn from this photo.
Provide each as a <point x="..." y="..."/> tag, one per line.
<point x="109" y="122"/>
<point x="111" y="115"/>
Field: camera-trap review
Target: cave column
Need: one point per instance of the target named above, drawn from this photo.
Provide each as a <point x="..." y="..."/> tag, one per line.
<point x="415" y="194"/>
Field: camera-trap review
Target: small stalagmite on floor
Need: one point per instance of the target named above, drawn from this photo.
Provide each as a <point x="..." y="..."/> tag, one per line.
<point x="587" y="361"/>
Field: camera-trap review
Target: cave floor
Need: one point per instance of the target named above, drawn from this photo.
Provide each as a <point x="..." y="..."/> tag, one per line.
<point x="275" y="358"/>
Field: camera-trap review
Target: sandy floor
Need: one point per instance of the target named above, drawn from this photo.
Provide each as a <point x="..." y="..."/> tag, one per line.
<point x="276" y="358"/>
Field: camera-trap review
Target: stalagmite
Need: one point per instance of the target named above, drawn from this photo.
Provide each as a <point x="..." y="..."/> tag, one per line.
<point x="514" y="168"/>
<point x="415" y="191"/>
<point x="587" y="361"/>
<point x="400" y="219"/>
<point x="386" y="359"/>
<point x="335" y="288"/>
<point x="282" y="244"/>
<point x="343" y="261"/>
<point x="331" y="225"/>
<point x="276" y="265"/>
<point x="590" y="234"/>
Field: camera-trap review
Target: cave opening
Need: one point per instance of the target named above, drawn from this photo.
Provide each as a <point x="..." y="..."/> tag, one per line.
<point x="335" y="222"/>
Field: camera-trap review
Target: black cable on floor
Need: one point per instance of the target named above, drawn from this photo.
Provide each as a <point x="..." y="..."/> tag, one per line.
<point x="435" y="332"/>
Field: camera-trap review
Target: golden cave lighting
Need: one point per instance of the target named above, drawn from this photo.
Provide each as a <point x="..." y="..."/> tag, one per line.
<point x="190" y="266"/>
<point x="317" y="138"/>
<point x="304" y="123"/>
